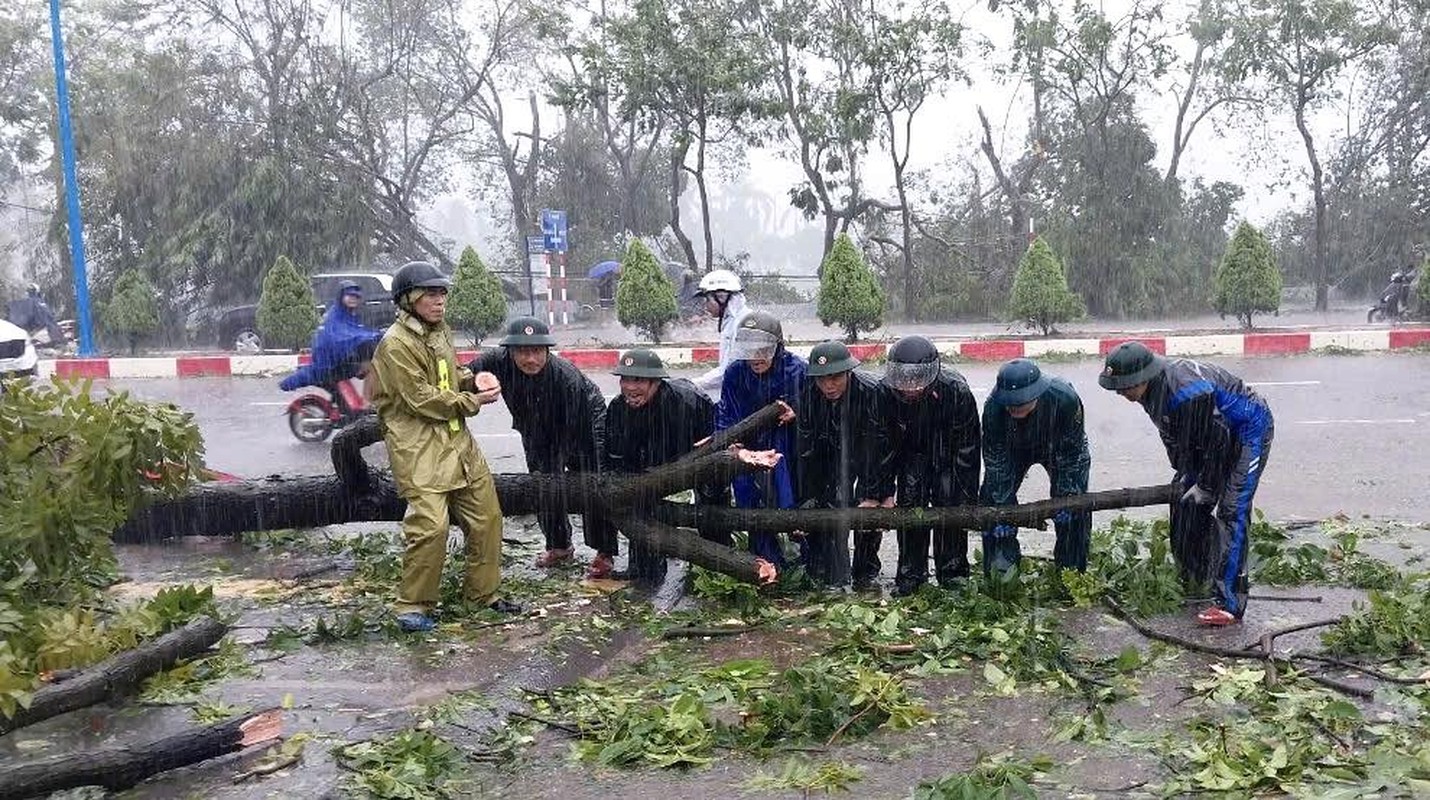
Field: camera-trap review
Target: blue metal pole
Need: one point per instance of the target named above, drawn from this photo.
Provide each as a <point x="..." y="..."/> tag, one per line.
<point x="75" y="224"/>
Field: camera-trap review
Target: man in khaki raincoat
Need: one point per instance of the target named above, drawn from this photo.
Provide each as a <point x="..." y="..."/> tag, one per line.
<point x="423" y="399"/>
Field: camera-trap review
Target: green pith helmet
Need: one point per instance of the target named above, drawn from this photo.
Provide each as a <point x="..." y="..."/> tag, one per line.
<point x="1020" y="381"/>
<point x="527" y="332"/>
<point x="1129" y="364"/>
<point x="640" y="363"/>
<point x="830" y="358"/>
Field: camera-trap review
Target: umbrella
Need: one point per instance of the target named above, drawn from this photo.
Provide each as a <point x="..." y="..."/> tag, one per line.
<point x="603" y="269"/>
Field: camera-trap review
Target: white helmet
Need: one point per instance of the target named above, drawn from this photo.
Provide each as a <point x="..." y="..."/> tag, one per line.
<point x="720" y="280"/>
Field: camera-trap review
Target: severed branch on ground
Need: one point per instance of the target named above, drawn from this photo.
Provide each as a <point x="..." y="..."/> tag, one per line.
<point x="119" y="768"/>
<point x="1262" y="650"/>
<point x="119" y="674"/>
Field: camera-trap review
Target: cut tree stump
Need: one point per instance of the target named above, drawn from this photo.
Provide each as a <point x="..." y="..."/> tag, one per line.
<point x="120" y="768"/>
<point x="119" y="674"/>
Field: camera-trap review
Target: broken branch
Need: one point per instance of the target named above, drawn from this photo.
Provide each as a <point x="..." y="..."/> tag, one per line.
<point x="119" y="768"/>
<point x="118" y="674"/>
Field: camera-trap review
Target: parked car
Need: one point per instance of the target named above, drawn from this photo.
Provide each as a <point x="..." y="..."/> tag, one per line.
<point x="237" y="328"/>
<point x="17" y="352"/>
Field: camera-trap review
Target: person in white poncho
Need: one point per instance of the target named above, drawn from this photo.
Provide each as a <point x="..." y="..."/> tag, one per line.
<point x="725" y="301"/>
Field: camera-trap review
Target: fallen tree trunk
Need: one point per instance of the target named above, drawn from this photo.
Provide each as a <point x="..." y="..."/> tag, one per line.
<point x="120" y="768"/>
<point x="275" y="503"/>
<point x="359" y="493"/>
<point x="837" y="520"/>
<point x="119" y="674"/>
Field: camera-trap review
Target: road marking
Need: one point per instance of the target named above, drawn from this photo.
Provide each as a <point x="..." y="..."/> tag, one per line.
<point x="1353" y="422"/>
<point x="1284" y="383"/>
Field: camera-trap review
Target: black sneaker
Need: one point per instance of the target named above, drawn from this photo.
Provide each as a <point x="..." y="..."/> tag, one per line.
<point x="904" y="589"/>
<point x="506" y="607"/>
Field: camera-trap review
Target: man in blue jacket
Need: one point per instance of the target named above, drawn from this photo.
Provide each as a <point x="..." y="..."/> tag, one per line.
<point x="763" y="371"/>
<point x="1218" y="433"/>
<point x="1030" y="419"/>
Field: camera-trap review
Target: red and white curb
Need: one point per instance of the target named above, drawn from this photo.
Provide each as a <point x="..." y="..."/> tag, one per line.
<point x="1232" y="344"/>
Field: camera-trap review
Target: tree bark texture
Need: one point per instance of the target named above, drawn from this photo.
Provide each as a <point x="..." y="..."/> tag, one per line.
<point x="119" y="768"/>
<point x="838" y="520"/>
<point x="117" y="675"/>
<point x="359" y="493"/>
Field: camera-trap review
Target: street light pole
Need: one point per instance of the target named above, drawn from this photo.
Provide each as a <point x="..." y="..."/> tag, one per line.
<point x="74" y="222"/>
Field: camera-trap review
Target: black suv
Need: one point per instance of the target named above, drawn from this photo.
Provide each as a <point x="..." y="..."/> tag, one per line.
<point x="237" y="329"/>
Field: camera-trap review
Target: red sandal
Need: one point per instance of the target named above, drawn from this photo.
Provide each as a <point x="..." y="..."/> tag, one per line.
<point x="1216" y="616"/>
<point x="553" y="557"/>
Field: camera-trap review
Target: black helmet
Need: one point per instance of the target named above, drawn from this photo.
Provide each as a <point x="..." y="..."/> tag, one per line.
<point x="640" y="363"/>
<point x="830" y="358"/>
<point x="1019" y="381"/>
<point x="913" y="364"/>
<point x="759" y="336"/>
<point x="527" y="332"/>
<point x="1129" y="364"/>
<point x="417" y="275"/>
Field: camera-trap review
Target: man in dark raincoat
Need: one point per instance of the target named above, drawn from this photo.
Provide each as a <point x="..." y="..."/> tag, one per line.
<point x="341" y="345"/>
<point x="656" y="420"/>
<point x="841" y="446"/>
<point x="1029" y="419"/>
<point x="932" y="460"/>
<point x="561" y="416"/>
<point x="761" y="372"/>
<point x="1217" y="433"/>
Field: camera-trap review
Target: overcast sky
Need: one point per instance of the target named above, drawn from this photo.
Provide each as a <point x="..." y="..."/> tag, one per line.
<point x="751" y="211"/>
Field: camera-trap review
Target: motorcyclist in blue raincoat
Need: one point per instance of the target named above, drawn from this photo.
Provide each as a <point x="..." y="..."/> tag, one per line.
<point x="761" y="372"/>
<point x="340" y="346"/>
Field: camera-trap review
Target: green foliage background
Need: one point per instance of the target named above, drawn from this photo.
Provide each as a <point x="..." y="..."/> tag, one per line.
<point x="1248" y="280"/>
<point x="477" y="304"/>
<point x="849" y="293"/>
<point x="1040" y="296"/>
<point x="645" y="299"/>
<point x="287" y="310"/>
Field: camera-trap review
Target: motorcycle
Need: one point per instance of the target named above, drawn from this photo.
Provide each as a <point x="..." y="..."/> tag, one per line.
<point x="312" y="417"/>
<point x="1394" y="299"/>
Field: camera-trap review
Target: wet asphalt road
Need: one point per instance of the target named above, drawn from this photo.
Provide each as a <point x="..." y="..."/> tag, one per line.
<point x="1352" y="432"/>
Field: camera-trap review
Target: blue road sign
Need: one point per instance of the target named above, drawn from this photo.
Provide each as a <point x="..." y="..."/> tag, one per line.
<point x="553" y="229"/>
